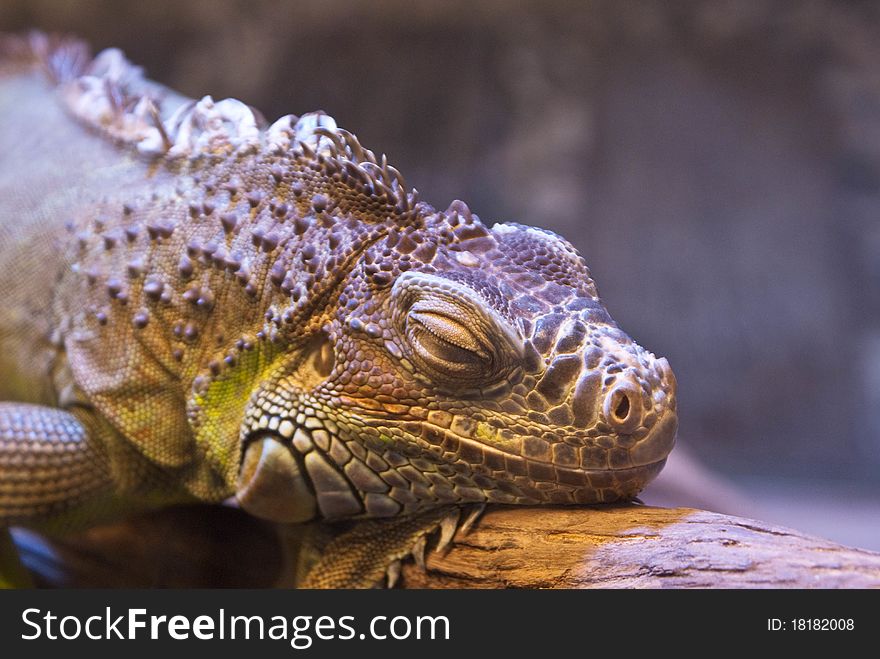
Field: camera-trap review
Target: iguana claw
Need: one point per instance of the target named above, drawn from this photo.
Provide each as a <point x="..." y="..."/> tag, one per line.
<point x="418" y="550"/>
<point x="448" y="527"/>
<point x="473" y="515"/>
<point x="392" y="573"/>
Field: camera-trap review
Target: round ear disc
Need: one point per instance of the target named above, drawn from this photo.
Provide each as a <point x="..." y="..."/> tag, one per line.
<point x="270" y="484"/>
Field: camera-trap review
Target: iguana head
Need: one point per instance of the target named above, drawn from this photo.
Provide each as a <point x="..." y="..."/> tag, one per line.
<point x="460" y="364"/>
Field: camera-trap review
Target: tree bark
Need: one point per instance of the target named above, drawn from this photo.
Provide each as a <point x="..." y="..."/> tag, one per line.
<point x="640" y="547"/>
<point x="625" y="546"/>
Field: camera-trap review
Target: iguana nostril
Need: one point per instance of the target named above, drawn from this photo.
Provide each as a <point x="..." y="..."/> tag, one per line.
<point x="623" y="409"/>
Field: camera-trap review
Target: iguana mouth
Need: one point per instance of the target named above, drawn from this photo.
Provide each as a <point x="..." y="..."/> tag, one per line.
<point x="318" y="470"/>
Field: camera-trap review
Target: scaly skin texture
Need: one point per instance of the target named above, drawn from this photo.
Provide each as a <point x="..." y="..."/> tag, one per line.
<point x="198" y="306"/>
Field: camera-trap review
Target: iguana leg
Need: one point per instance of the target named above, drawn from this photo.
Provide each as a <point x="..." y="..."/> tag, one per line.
<point x="369" y="553"/>
<point x="47" y="463"/>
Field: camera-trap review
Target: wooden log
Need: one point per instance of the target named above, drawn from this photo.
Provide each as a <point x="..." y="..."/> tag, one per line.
<point x="627" y="546"/>
<point x="640" y="547"/>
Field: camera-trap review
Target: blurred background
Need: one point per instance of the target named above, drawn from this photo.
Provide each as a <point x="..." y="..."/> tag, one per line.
<point x="717" y="162"/>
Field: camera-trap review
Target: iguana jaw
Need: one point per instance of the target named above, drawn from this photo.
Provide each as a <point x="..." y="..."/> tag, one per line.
<point x="346" y="465"/>
<point x="273" y="483"/>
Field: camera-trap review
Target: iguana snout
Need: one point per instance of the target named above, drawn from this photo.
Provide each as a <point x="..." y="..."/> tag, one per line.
<point x="594" y="412"/>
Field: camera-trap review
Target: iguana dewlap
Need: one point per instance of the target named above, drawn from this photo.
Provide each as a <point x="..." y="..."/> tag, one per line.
<point x="198" y="305"/>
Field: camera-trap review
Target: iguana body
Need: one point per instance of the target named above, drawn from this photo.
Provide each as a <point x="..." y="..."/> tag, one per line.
<point x="198" y="306"/>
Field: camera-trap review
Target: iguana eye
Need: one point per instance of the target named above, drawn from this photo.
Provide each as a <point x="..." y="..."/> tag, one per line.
<point x="451" y="334"/>
<point x="444" y="341"/>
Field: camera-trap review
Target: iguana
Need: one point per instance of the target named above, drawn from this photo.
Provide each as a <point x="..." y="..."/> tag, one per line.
<point x="198" y="305"/>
